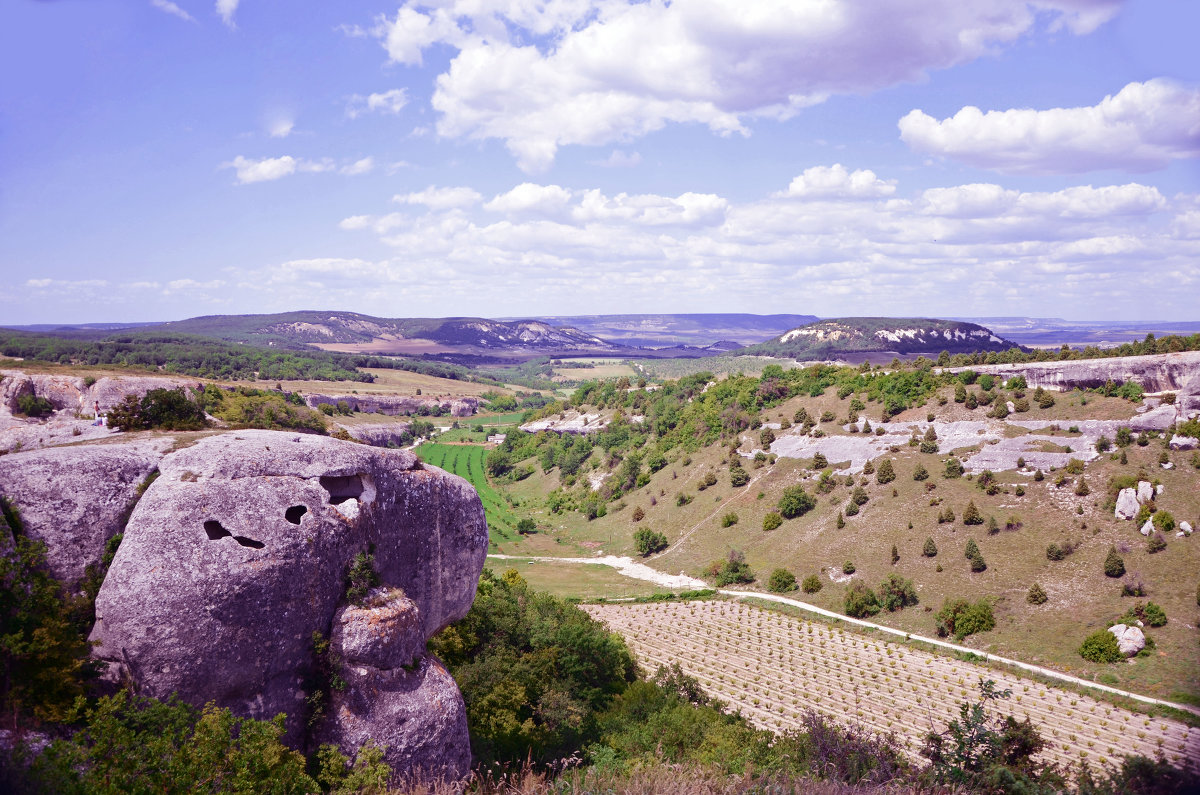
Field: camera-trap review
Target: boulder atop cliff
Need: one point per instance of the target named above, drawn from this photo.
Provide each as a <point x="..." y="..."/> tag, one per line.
<point x="240" y="551"/>
<point x="76" y="498"/>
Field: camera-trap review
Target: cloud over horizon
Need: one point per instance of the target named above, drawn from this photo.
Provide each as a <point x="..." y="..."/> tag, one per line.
<point x="1141" y="128"/>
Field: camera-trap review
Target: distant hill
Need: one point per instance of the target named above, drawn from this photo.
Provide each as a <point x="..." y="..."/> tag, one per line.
<point x="1051" y="332"/>
<point x="699" y="330"/>
<point x="830" y="339"/>
<point x="350" y="332"/>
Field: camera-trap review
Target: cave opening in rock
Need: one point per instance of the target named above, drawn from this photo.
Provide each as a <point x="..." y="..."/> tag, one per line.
<point x="249" y="542"/>
<point x="295" y="513"/>
<point x="215" y="530"/>
<point x="342" y="487"/>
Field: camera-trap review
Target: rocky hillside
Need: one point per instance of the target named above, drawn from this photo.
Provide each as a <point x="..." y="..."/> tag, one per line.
<point x="350" y="331"/>
<point x="838" y="336"/>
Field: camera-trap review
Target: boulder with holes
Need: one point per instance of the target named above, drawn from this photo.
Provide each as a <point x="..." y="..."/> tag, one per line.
<point x="240" y="552"/>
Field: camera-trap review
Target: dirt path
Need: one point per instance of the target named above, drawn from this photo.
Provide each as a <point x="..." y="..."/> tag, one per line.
<point x="627" y="566"/>
<point x="955" y="647"/>
<point x="640" y="571"/>
<point x="679" y="541"/>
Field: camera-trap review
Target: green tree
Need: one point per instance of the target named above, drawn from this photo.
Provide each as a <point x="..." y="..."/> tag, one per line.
<point x="781" y="581"/>
<point x="535" y="671"/>
<point x="811" y="584"/>
<point x="886" y="473"/>
<point x="977" y="750"/>
<point x="896" y="593"/>
<point x="772" y="521"/>
<point x="920" y="473"/>
<point x="1036" y="595"/>
<point x="960" y="618"/>
<point x="971" y="516"/>
<point x="1102" y="647"/>
<point x="42" y="652"/>
<point x="861" y="601"/>
<point x="796" y="502"/>
<point x="649" y="541"/>
<point x="930" y="549"/>
<point x="1114" y="564"/>
<point x="738" y="475"/>
<point x="954" y="469"/>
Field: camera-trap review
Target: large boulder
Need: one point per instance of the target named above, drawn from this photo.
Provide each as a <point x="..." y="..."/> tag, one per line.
<point x="1184" y="443"/>
<point x="1127" y="504"/>
<point x="394" y="695"/>
<point x="1145" y="491"/>
<point x="1129" y="638"/>
<point x="76" y="498"/>
<point x="239" y="552"/>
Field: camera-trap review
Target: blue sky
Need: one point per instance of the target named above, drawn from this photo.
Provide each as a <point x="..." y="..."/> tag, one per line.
<point x="162" y="159"/>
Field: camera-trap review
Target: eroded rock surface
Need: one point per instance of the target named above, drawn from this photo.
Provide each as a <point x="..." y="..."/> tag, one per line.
<point x="397" y="404"/>
<point x="394" y="695"/>
<point x="1127" y="504"/>
<point x="383" y="434"/>
<point x="76" y="498"/>
<point x="1130" y="639"/>
<point x="239" y="552"/>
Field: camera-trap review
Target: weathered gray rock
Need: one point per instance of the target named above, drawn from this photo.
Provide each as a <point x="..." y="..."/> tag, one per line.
<point x="1184" y="443"/>
<point x="397" y="404"/>
<point x="1147" y="528"/>
<point x="1179" y="372"/>
<point x="239" y="552"/>
<point x="13" y="386"/>
<point x="1127" y="504"/>
<point x="418" y="714"/>
<point x="76" y="498"/>
<point x="384" y="632"/>
<point x="383" y="434"/>
<point x="1129" y="638"/>
<point x="1145" y="492"/>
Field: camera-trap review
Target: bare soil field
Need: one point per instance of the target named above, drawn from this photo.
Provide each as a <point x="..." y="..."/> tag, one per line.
<point x="773" y="667"/>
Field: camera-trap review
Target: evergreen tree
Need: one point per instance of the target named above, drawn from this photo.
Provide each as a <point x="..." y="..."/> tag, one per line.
<point x="930" y="548"/>
<point x="1114" y="564"/>
<point x="886" y="473"/>
<point x="972" y="515"/>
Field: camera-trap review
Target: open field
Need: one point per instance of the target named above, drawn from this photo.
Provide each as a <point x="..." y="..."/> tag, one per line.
<point x="904" y="513"/>
<point x="596" y="369"/>
<point x="580" y="580"/>
<point x="389" y="382"/>
<point x="467" y="461"/>
<point x="773" y="667"/>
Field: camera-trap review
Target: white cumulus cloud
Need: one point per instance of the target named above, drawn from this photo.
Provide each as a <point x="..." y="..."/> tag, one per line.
<point x="172" y="9"/>
<point x="264" y="170"/>
<point x="441" y="198"/>
<point x="226" y="9"/>
<point x="1141" y="128"/>
<point x="543" y="75"/>
<point x="836" y="248"/>
<point x="386" y="102"/>
<point x="825" y="182"/>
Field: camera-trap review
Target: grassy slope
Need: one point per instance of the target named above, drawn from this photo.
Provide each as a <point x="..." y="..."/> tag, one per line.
<point x="1082" y="599"/>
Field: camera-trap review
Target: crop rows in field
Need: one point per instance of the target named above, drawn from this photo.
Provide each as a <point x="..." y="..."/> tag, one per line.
<point x="467" y="462"/>
<point x="774" y="667"/>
